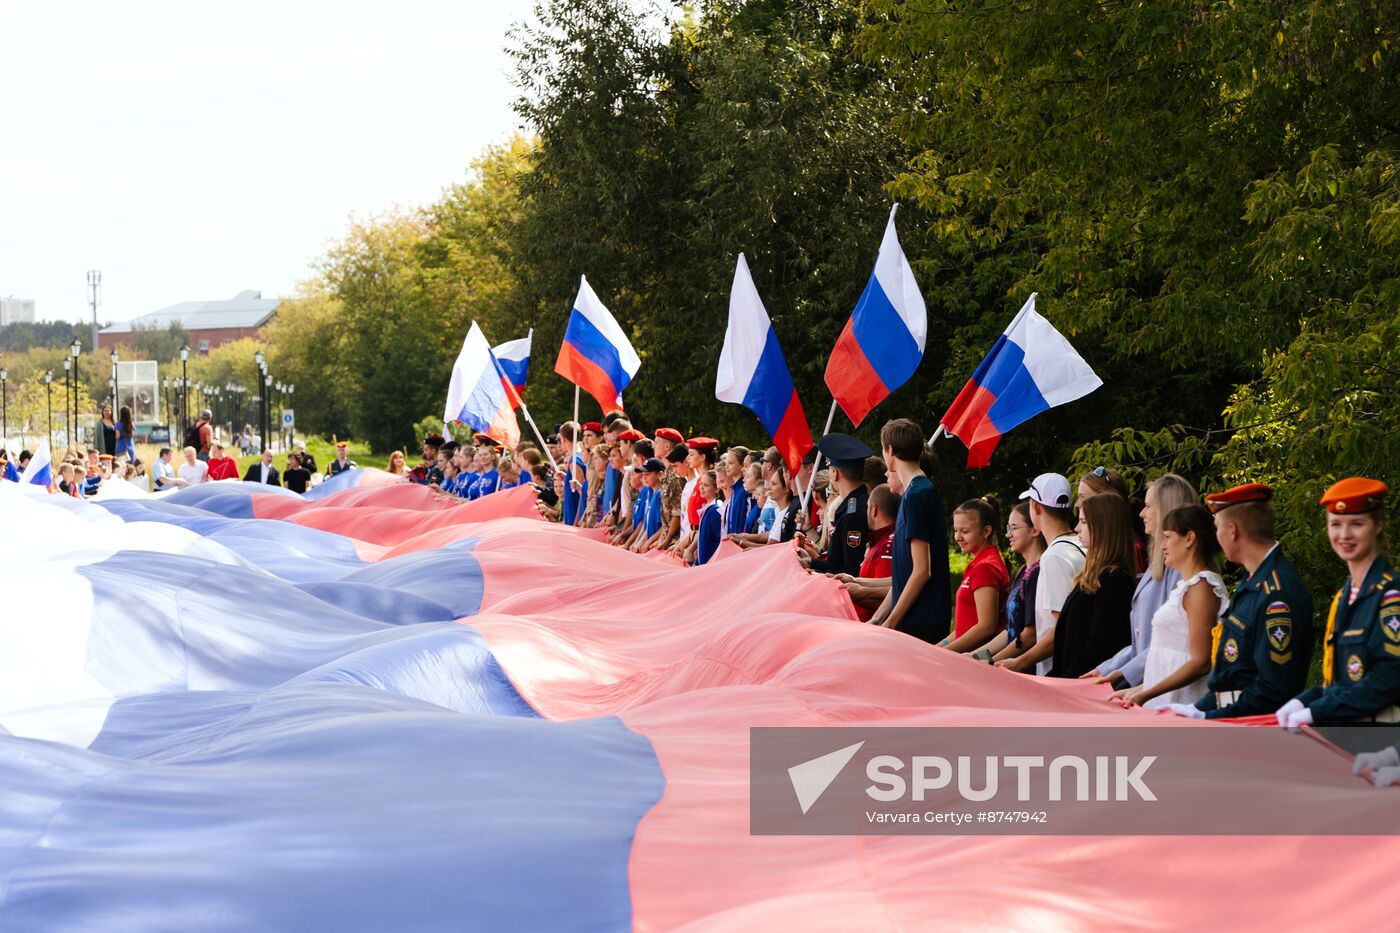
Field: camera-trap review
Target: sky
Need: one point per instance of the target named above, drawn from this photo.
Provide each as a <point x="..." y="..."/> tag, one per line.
<point x="193" y="151"/>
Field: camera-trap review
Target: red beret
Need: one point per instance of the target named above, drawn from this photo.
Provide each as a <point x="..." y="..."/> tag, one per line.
<point x="631" y="434"/>
<point x="1354" y="496"/>
<point x="593" y="426"/>
<point x="1249" y="492"/>
<point x="670" y="434"/>
<point x="702" y="443"/>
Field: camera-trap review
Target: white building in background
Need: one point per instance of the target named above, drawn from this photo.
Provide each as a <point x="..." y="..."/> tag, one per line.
<point x="16" y="311"/>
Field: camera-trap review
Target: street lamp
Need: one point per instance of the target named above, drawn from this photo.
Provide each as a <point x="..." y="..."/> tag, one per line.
<point x="116" y="383"/>
<point x="165" y="396"/>
<point x="76" y="347"/>
<point x="261" y="359"/>
<point x="291" y="428"/>
<point x="4" y="404"/>
<point x="184" y="388"/>
<point x="48" y="387"/>
<point x="67" y="384"/>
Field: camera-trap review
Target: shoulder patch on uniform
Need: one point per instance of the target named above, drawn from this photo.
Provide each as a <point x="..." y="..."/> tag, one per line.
<point x="1280" y="631"/>
<point x="1390" y="624"/>
<point x="1280" y="658"/>
<point x="853" y="539"/>
<point x="1230" y="651"/>
<point x="1276" y="607"/>
<point x="1390" y="598"/>
<point x="1236" y="623"/>
<point x="852" y="506"/>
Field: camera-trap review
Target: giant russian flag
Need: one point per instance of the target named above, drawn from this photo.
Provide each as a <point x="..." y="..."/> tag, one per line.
<point x="596" y="355"/>
<point x="514" y="357"/>
<point x="386" y="711"/>
<point x="479" y="394"/>
<point x="1031" y="368"/>
<point x="883" y="342"/>
<point x="753" y="373"/>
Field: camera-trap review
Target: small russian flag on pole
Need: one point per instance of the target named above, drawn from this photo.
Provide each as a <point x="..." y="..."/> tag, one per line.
<point x="883" y="342"/>
<point x="40" y="468"/>
<point x="596" y="355"/>
<point x="514" y="357"/>
<point x="479" y="395"/>
<point x="1030" y="369"/>
<point x="753" y="373"/>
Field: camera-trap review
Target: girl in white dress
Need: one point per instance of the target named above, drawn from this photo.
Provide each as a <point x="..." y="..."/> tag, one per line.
<point x="1178" y="659"/>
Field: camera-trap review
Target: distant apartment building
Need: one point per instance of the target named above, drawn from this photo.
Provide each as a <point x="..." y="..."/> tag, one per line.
<point x="210" y="324"/>
<point x="16" y="311"/>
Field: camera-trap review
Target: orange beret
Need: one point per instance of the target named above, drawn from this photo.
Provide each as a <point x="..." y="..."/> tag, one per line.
<point x="702" y="443"/>
<point x="1353" y="496"/>
<point x="670" y="434"/>
<point x="631" y="434"/>
<point x="1249" y="492"/>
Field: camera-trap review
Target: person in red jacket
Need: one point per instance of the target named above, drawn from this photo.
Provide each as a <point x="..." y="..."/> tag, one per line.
<point x="221" y="467"/>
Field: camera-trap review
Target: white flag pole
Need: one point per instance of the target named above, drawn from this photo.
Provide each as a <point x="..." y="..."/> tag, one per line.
<point x="817" y="464"/>
<point x="936" y="435"/>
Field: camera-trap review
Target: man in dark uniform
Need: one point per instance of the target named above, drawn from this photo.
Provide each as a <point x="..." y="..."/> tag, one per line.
<point x="1361" y="648"/>
<point x="342" y="462"/>
<point x="850" y="525"/>
<point x="1265" y="638"/>
<point x="428" y="473"/>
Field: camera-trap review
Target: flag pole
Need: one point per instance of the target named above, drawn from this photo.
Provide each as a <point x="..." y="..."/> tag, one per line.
<point x="569" y="467"/>
<point x="936" y="435"/>
<point x="515" y="397"/>
<point x="817" y="464"/>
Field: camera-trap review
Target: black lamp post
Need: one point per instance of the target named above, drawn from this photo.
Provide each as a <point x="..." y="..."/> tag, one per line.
<point x="116" y="384"/>
<point x="4" y="404"/>
<point x="184" y="388"/>
<point x="261" y="359"/>
<point x="165" y="397"/>
<point x="76" y="348"/>
<point x="67" y="386"/>
<point x="48" y="387"/>
<point x="291" y="429"/>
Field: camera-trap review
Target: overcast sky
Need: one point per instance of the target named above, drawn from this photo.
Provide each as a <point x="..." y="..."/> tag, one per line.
<point x="191" y="151"/>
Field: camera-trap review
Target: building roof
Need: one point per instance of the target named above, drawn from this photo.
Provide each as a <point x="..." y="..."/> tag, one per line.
<point x="246" y="309"/>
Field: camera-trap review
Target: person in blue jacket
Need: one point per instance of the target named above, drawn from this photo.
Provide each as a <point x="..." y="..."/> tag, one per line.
<point x="711" y="529"/>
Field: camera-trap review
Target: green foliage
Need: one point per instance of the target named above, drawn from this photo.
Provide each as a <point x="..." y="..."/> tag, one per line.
<point x="152" y="343"/>
<point x="22" y="336"/>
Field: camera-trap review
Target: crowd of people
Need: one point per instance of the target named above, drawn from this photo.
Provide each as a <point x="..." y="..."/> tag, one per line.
<point x="1106" y="587"/>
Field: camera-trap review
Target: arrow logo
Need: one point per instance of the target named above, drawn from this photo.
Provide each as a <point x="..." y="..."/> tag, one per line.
<point x="811" y="778"/>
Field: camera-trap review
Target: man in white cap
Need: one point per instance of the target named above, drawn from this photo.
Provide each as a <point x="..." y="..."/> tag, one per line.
<point x="1059" y="565"/>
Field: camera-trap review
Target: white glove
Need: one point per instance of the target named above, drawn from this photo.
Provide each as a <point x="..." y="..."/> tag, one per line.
<point x="1298" y="719"/>
<point x="1288" y="709"/>
<point x="1187" y="710"/>
<point x="1384" y="777"/>
<point x="1385" y="758"/>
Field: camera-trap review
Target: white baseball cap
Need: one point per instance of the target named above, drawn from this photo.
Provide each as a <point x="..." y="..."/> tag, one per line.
<point x="1049" y="489"/>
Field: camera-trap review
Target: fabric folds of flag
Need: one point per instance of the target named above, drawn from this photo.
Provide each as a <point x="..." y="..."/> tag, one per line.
<point x="753" y="372"/>
<point x="480" y="395"/>
<point x="514" y="359"/>
<point x="40" y="468"/>
<point x="596" y="355"/>
<point x="1030" y="369"/>
<point x="883" y="342"/>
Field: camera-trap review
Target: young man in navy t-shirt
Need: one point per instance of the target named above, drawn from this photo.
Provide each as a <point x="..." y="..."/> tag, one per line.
<point x="920" y="601"/>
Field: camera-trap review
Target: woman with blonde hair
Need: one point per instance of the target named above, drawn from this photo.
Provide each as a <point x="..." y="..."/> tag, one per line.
<point x="1165" y="495"/>
<point x="396" y="464"/>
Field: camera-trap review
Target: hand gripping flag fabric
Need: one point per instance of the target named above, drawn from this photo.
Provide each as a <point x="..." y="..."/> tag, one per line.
<point x="381" y="710"/>
<point x="883" y="342"/>
<point x="753" y="373"/>
<point x="514" y="357"/>
<point x="480" y="395"/>
<point x="1030" y="369"/>
<point x="39" y="470"/>
<point x="596" y="355"/>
